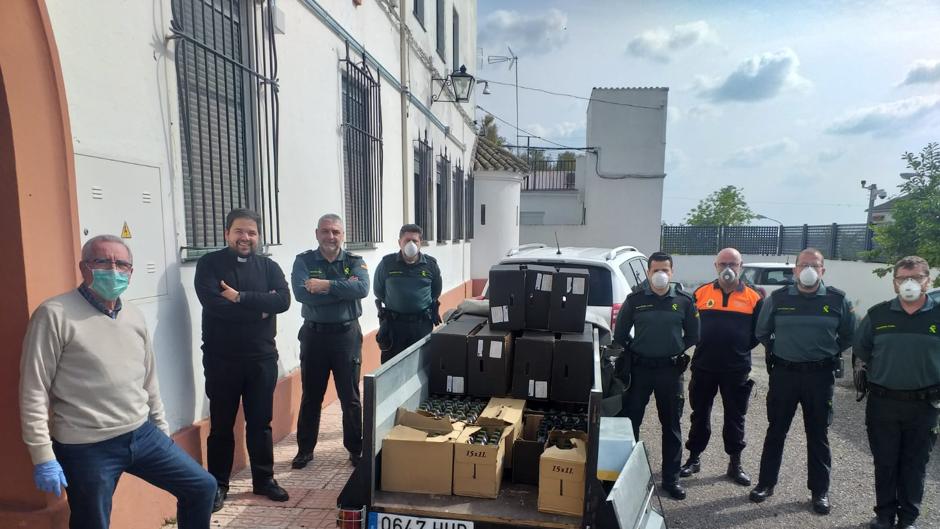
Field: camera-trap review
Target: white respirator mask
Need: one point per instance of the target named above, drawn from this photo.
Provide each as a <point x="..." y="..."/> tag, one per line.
<point x="660" y="280"/>
<point x="728" y="275"/>
<point x="910" y="290"/>
<point x="410" y="250"/>
<point x="809" y="277"/>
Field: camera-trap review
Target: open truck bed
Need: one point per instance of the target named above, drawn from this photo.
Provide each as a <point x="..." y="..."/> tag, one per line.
<point x="403" y="382"/>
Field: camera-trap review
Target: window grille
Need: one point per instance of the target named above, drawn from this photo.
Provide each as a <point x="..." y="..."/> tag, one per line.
<point x="362" y="152"/>
<point x="424" y="186"/>
<point x="459" y="203"/>
<point x="443" y="185"/>
<point x="455" y="39"/>
<point x="419" y="11"/>
<point x="441" y="30"/>
<point x="226" y="70"/>
<point x="468" y="206"/>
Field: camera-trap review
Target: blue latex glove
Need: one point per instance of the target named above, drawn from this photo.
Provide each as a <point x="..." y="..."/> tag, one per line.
<point x="49" y="477"/>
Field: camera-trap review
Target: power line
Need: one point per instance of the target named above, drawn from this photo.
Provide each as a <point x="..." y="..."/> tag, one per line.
<point x="833" y="204"/>
<point x="523" y="130"/>
<point x="562" y="94"/>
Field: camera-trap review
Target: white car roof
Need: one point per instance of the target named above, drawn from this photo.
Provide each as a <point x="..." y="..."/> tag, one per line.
<point x="768" y="265"/>
<point x="572" y="254"/>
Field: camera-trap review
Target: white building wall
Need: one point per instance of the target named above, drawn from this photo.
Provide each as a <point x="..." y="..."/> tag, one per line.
<point x="121" y="89"/>
<point x="498" y="191"/>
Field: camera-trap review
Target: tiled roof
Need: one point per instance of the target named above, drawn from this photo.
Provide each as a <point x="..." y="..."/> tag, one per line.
<point x="488" y="156"/>
<point x="887" y="205"/>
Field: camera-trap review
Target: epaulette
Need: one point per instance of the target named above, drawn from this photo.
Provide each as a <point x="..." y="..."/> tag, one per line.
<point x="878" y="305"/>
<point x="835" y="290"/>
<point x="686" y="294"/>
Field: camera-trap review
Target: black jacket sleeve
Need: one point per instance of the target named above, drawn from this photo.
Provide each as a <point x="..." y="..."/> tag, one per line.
<point x="209" y="291"/>
<point x="277" y="299"/>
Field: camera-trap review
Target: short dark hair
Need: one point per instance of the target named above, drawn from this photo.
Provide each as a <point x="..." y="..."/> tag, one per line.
<point x="659" y="257"/>
<point x="241" y="213"/>
<point x="911" y="262"/>
<point x="410" y="228"/>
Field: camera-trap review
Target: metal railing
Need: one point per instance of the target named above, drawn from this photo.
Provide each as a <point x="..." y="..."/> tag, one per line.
<point x="424" y="185"/>
<point x="850" y="242"/>
<point x="550" y="175"/>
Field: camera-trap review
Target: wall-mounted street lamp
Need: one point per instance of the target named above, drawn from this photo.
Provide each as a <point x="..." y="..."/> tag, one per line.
<point x="455" y="88"/>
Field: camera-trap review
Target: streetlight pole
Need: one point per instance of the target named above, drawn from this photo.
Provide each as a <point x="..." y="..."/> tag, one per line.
<point x="779" y="231"/>
<point x="873" y="192"/>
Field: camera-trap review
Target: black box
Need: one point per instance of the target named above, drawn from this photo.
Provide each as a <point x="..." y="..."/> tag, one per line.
<point x="573" y="366"/>
<point x="538" y="296"/>
<point x="489" y="362"/>
<point x="449" y="355"/>
<point x="570" y="289"/>
<point x="507" y="297"/>
<point x="526" y="451"/>
<point x="532" y="365"/>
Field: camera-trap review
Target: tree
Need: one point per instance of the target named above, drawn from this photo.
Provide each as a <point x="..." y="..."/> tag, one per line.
<point x="915" y="226"/>
<point x="567" y="155"/>
<point x="723" y="207"/>
<point x="491" y="131"/>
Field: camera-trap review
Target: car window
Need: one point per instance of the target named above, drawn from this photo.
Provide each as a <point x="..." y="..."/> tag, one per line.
<point x="601" y="293"/>
<point x="778" y="277"/>
<point x="639" y="269"/>
<point x="628" y="274"/>
<point x="750" y="276"/>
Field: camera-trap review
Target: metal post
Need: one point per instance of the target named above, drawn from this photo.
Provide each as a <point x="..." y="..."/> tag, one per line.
<point x="805" y="240"/>
<point x="516" y="60"/>
<point x="833" y="241"/>
<point x="780" y="239"/>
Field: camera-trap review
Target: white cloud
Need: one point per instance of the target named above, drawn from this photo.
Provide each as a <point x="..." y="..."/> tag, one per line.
<point x="758" y="78"/>
<point x="706" y="111"/>
<point x="756" y="155"/>
<point x="829" y="155"/>
<point x="676" y="159"/>
<point x="530" y="34"/>
<point x="886" y="117"/>
<point x="673" y="114"/>
<point x="659" y="44"/>
<point x="922" y="72"/>
<point x="563" y="129"/>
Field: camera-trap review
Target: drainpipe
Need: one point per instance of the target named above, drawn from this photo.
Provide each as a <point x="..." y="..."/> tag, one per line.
<point x="405" y="90"/>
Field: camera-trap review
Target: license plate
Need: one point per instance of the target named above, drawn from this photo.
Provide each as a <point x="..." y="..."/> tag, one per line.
<point x="381" y="520"/>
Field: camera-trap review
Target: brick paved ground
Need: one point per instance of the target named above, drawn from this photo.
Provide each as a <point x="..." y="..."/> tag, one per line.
<point x="313" y="490"/>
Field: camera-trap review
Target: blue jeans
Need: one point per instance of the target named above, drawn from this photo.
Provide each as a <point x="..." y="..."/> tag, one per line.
<point x="93" y="470"/>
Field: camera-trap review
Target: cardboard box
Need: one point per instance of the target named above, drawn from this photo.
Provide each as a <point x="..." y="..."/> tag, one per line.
<point x="570" y="290"/>
<point x="526" y="451"/>
<point x="511" y="412"/>
<point x="418" y="454"/>
<point x="573" y="366"/>
<point x="538" y="295"/>
<point x="478" y="469"/>
<point x="448" y="372"/>
<point x="614" y="446"/>
<point x="561" y="475"/>
<point x="507" y="297"/>
<point x="489" y="362"/>
<point x="532" y="365"/>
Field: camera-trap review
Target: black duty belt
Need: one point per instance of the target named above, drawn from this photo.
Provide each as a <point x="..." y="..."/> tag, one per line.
<point x="658" y="362"/>
<point x="931" y="393"/>
<point x="329" y="328"/>
<point x="805" y="367"/>
<point x="412" y="317"/>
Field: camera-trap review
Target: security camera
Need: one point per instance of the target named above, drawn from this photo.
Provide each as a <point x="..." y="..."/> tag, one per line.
<point x="882" y="195"/>
<point x="863" y="183"/>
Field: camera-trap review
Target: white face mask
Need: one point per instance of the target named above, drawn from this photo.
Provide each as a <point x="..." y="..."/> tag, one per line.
<point x="728" y="275"/>
<point x="660" y="280"/>
<point x="410" y="250"/>
<point x="910" y="290"/>
<point x="809" y="277"/>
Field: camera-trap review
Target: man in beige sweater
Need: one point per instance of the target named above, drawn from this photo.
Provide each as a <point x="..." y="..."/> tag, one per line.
<point x="90" y="404"/>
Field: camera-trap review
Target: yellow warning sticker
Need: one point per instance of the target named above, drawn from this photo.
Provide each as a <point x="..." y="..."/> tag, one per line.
<point x="125" y="231"/>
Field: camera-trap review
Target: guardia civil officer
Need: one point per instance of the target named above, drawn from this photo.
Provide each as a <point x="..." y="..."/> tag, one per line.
<point x="665" y="323"/>
<point x="329" y="282"/>
<point x="899" y="343"/>
<point x="408" y="284"/>
<point x="804" y="329"/>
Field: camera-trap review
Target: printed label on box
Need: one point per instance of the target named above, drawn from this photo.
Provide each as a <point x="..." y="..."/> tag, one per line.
<point x="496" y="314"/>
<point x="531" y="388"/>
<point x="578" y="287"/>
<point x="544" y="282"/>
<point x="496" y="349"/>
<point x="458" y="385"/>
<point x="541" y="389"/>
<point x="480" y="348"/>
<point x="505" y="313"/>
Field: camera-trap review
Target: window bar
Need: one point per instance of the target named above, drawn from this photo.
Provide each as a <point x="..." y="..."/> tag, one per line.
<point x="202" y="178"/>
<point x="218" y="122"/>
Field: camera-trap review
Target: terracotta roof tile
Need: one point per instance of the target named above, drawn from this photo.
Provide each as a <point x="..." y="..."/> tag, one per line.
<point x="488" y="156"/>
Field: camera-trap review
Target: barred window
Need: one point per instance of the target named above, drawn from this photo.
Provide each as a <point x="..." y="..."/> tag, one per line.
<point x="419" y="11"/>
<point x="424" y="186"/>
<point x="226" y="70"/>
<point x="362" y="152"/>
<point x="459" y="204"/>
<point x="441" y="29"/>
<point x="455" y="40"/>
<point x="468" y="197"/>
<point x="443" y="184"/>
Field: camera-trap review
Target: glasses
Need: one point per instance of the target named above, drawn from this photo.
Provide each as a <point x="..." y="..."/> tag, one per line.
<point x="805" y="265"/>
<point x="102" y="264"/>
<point x="919" y="278"/>
<point x="729" y="265"/>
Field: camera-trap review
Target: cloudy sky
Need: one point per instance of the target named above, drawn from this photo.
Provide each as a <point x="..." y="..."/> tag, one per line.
<point x="795" y="102"/>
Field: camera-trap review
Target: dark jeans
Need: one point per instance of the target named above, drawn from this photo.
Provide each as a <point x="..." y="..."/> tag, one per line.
<point x="901" y="435"/>
<point x="250" y="381"/>
<point x="400" y="334"/>
<point x="666" y="384"/>
<point x="320" y="354"/>
<point x="735" y="388"/>
<point x="93" y="469"/>
<point x="813" y="392"/>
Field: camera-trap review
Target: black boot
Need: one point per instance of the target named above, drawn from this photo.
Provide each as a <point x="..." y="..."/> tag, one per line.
<point x="737" y="473"/>
<point x="693" y="465"/>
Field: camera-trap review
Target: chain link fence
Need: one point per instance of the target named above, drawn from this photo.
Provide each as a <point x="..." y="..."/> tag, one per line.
<point x="849" y="242"/>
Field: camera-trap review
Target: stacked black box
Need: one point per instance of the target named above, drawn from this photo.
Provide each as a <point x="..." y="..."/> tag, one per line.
<point x="489" y="362"/>
<point x="507" y="297"/>
<point x="449" y="354"/>
<point x="532" y="368"/>
<point x="570" y="289"/>
<point x="573" y="366"/>
<point x="538" y="296"/>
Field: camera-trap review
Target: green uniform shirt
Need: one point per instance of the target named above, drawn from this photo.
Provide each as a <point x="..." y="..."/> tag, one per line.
<point x="407" y="288"/>
<point x="800" y="327"/>
<point x="663" y="326"/>
<point x="349" y="283"/>
<point x="901" y="350"/>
